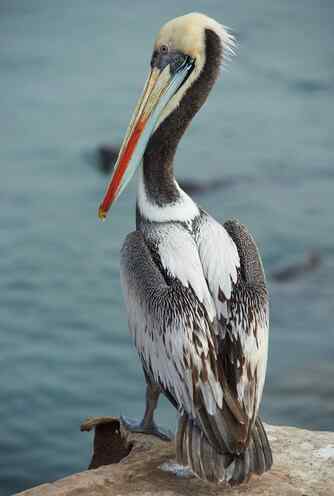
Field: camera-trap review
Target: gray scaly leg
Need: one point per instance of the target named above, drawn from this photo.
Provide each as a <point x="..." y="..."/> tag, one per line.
<point x="147" y="424"/>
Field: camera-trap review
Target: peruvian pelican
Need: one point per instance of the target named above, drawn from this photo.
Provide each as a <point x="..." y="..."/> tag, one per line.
<point x="195" y="290"/>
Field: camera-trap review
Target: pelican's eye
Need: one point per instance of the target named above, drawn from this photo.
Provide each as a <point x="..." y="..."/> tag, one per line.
<point x="164" y="49"/>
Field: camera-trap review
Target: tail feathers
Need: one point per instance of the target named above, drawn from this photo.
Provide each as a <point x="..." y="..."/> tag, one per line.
<point x="193" y="450"/>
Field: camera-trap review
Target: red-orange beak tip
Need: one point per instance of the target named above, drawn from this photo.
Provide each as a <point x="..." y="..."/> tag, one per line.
<point x="102" y="213"/>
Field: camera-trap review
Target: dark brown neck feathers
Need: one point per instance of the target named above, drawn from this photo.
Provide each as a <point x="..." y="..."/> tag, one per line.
<point x="160" y="151"/>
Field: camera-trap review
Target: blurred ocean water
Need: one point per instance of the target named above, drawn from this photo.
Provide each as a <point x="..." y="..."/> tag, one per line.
<point x="70" y="73"/>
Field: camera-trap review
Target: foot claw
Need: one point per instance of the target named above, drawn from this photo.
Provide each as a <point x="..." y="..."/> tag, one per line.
<point x="135" y="426"/>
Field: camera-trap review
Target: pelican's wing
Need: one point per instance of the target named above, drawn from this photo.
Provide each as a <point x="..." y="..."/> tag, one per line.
<point x="235" y="276"/>
<point x="170" y="325"/>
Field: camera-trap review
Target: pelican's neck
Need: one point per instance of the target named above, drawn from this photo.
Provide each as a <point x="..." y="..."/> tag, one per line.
<point x="158" y="170"/>
<point x="158" y="188"/>
<point x="160" y="198"/>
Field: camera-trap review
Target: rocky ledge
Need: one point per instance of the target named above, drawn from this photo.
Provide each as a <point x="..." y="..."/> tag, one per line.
<point x="142" y="465"/>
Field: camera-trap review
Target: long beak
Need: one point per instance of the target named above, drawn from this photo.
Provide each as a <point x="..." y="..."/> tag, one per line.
<point x="159" y="89"/>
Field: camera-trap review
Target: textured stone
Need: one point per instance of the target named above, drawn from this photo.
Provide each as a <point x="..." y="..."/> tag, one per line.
<point x="303" y="466"/>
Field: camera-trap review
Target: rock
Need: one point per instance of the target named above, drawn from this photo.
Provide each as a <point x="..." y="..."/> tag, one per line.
<point x="193" y="187"/>
<point x="303" y="466"/>
<point x="311" y="262"/>
<point x="110" y="443"/>
<point x="102" y="158"/>
<point x="106" y="158"/>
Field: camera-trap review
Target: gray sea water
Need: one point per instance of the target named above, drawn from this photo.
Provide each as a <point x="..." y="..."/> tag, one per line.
<point x="70" y="73"/>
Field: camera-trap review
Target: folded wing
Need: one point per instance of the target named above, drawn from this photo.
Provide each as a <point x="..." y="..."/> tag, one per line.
<point x="242" y="306"/>
<point x="171" y="328"/>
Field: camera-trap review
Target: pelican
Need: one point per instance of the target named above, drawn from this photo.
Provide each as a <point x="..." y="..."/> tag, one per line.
<point x="195" y="289"/>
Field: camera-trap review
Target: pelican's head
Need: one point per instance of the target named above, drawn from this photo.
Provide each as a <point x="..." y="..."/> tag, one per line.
<point x="180" y="57"/>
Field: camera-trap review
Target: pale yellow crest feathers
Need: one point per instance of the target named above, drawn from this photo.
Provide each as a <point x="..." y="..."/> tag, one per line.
<point x="187" y="34"/>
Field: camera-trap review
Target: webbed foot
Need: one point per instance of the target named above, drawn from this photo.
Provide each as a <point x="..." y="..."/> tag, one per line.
<point x="132" y="425"/>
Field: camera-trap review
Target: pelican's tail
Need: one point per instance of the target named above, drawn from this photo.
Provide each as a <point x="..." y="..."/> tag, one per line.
<point x="193" y="450"/>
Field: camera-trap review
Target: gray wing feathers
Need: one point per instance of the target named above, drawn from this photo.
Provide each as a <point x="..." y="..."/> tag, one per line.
<point x="245" y="346"/>
<point x="235" y="276"/>
<point x="252" y="266"/>
<point x="171" y="331"/>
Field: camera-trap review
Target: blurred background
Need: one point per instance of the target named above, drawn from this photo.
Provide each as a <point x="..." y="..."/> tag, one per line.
<point x="70" y="74"/>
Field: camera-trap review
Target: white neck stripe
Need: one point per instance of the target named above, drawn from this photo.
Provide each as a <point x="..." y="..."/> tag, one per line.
<point x="183" y="210"/>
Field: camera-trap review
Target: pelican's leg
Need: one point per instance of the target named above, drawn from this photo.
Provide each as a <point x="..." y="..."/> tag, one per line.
<point x="147" y="424"/>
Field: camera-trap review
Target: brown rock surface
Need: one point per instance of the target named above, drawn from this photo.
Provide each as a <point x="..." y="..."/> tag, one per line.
<point x="303" y="466"/>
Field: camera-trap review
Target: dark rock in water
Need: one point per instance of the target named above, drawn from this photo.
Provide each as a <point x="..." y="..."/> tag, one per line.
<point x="191" y="186"/>
<point x="106" y="158"/>
<point x="310" y="86"/>
<point x="310" y="263"/>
